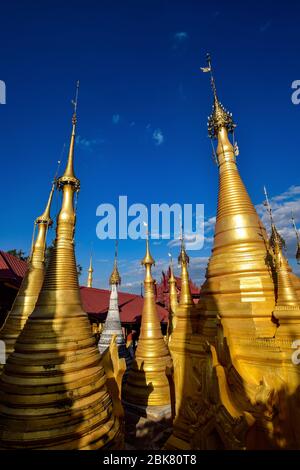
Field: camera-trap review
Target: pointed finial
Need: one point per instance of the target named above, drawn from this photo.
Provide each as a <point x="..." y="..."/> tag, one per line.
<point x="69" y="176"/>
<point x="116" y="251"/>
<point x="298" y="239"/>
<point x="115" y="277"/>
<point x="268" y="206"/>
<point x="91" y="264"/>
<point x="183" y="257"/>
<point x="275" y="238"/>
<point x="171" y="260"/>
<point x="147" y="260"/>
<point x="75" y="101"/>
<point x="171" y="278"/>
<point x="90" y="272"/>
<point x="212" y="78"/>
<point x="219" y="117"/>
<point x="45" y="217"/>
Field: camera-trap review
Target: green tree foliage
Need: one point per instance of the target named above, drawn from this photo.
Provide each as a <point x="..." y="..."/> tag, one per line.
<point x="18" y="254"/>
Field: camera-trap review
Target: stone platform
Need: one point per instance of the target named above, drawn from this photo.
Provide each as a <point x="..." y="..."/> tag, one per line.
<point x="147" y="427"/>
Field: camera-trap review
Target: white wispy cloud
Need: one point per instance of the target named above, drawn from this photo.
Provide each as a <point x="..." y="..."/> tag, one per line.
<point x="180" y="36"/>
<point x="158" y="137"/>
<point x="191" y="241"/>
<point x="282" y="206"/>
<point x="87" y="144"/>
<point x="179" y="41"/>
<point x="116" y="118"/>
<point x="209" y="224"/>
<point x="292" y="192"/>
<point x="131" y="285"/>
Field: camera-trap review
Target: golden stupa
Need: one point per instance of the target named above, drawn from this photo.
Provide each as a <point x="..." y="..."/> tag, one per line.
<point x="147" y="384"/>
<point x="173" y="302"/>
<point x="184" y="324"/>
<point x="27" y="296"/>
<point x="242" y="390"/>
<point x="287" y="309"/>
<point x="90" y="274"/>
<point x="53" y="392"/>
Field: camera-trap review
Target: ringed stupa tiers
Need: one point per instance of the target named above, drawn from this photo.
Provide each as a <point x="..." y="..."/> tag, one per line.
<point x="287" y="309"/>
<point x="173" y="301"/>
<point x="27" y="296"/>
<point x="242" y="390"/>
<point x="147" y="390"/>
<point x="184" y="324"/>
<point x="53" y="392"/>
<point x="225" y="376"/>
<point x="238" y="285"/>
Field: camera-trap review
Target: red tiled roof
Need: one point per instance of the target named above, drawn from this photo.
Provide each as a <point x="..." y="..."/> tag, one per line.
<point x="96" y="302"/>
<point x="12" y="269"/>
<point x="164" y="284"/>
<point x="132" y="311"/>
<point x="162" y="289"/>
<point x="194" y="289"/>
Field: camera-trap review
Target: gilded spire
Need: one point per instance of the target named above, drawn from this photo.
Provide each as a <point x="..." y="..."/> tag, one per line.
<point x="298" y="240"/>
<point x="69" y="175"/>
<point x="219" y="117"/>
<point x="90" y="274"/>
<point x="275" y="237"/>
<point x="115" y="276"/>
<point x="173" y="302"/>
<point x="185" y="291"/>
<point x="27" y="296"/>
<point x="237" y="273"/>
<point x="55" y="374"/>
<point x="172" y="288"/>
<point x="147" y="383"/>
<point x="45" y="217"/>
<point x="286" y="293"/>
<point x="147" y="260"/>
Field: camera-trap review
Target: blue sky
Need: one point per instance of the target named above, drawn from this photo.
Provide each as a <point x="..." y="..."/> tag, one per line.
<point x="142" y="112"/>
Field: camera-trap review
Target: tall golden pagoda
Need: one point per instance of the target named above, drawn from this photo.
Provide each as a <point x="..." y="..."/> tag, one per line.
<point x="296" y="279"/>
<point x="27" y="296"/>
<point x="243" y="387"/>
<point x="298" y="240"/>
<point x="238" y="277"/>
<point x="90" y="274"/>
<point x="185" y="325"/>
<point x="173" y="301"/>
<point x="287" y="309"/>
<point x="147" y="388"/>
<point x="53" y="392"/>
